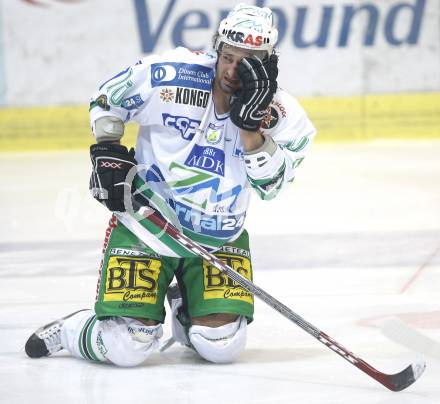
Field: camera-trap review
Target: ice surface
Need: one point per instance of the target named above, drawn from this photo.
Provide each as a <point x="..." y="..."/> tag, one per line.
<point x="354" y="240"/>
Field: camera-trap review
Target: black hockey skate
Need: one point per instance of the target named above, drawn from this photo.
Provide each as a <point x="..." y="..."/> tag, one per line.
<point x="47" y="339"/>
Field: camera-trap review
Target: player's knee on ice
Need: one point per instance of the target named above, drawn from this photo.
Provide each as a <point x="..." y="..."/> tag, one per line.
<point x="127" y="341"/>
<point x="122" y="341"/>
<point x="219" y="344"/>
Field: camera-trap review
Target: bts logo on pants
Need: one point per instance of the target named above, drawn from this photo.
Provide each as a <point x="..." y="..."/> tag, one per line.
<point x="132" y="279"/>
<point x="219" y="286"/>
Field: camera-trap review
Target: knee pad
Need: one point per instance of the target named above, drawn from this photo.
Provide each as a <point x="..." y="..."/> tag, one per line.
<point x="220" y="344"/>
<point x="128" y="342"/>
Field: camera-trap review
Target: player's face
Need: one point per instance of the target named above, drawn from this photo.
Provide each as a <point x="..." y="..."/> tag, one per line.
<point x="226" y="74"/>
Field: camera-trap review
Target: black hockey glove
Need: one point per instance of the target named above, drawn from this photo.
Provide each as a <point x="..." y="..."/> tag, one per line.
<point x="259" y="84"/>
<point x="111" y="164"/>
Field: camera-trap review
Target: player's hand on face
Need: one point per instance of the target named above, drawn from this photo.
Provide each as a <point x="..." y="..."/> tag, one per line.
<point x="259" y="84"/>
<point x="271" y="66"/>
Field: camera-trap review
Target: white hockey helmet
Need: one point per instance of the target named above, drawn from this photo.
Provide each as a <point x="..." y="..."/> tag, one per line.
<point x="248" y="27"/>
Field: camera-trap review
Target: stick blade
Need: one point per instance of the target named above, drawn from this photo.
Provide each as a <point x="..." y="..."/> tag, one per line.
<point x="406" y="377"/>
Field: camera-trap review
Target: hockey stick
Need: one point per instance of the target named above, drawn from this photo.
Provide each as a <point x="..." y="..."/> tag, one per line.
<point x="394" y="382"/>
<point x="401" y="333"/>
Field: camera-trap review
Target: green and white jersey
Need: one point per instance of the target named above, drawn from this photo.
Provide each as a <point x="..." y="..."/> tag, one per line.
<point x="190" y="155"/>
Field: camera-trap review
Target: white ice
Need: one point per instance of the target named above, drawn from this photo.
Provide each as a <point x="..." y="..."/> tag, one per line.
<point x="355" y="240"/>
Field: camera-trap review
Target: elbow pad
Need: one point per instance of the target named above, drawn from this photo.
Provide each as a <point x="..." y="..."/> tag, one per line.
<point x="108" y="129"/>
<point x="265" y="161"/>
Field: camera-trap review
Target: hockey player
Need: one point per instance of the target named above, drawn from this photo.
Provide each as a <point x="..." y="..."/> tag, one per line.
<point x="213" y="126"/>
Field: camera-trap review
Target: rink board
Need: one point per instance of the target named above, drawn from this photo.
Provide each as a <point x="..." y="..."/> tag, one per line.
<point x="402" y="116"/>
